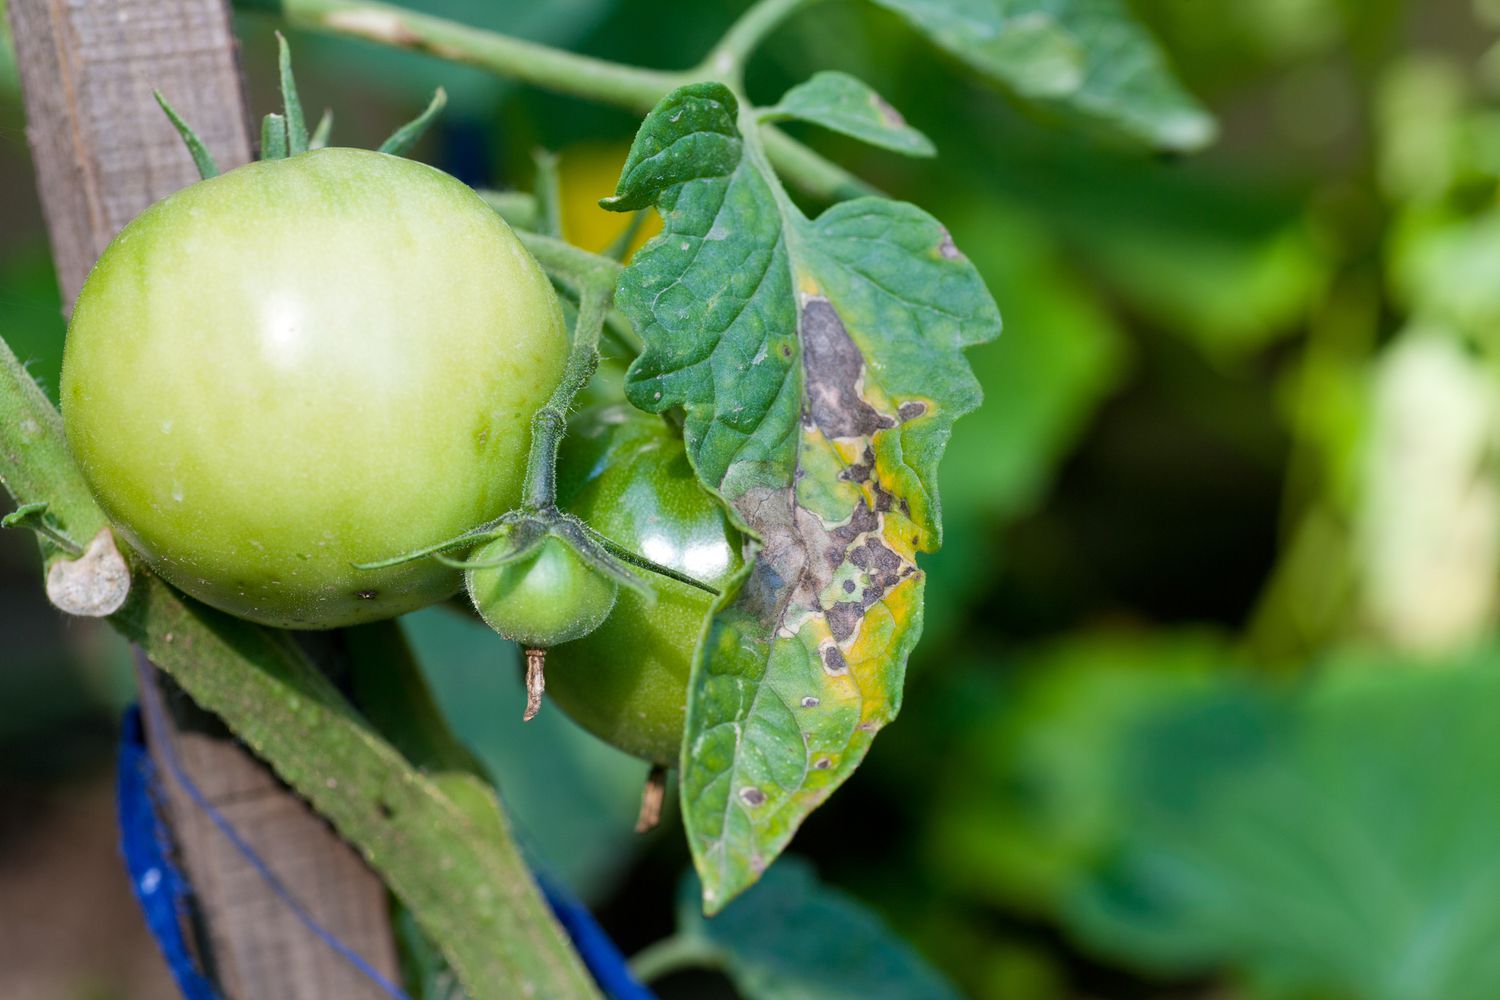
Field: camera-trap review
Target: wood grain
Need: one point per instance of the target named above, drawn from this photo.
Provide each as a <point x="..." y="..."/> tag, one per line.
<point x="103" y="151"/>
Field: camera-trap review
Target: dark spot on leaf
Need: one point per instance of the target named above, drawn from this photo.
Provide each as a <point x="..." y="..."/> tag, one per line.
<point x="868" y="727"/>
<point x="822" y="763"/>
<point x="912" y="409"/>
<point x="843" y="619"/>
<point x="878" y="560"/>
<point x="849" y="586"/>
<point x="752" y="796"/>
<point x="833" y="660"/>
<point x="384" y="808"/>
<point x="834" y="367"/>
<point x="809" y="702"/>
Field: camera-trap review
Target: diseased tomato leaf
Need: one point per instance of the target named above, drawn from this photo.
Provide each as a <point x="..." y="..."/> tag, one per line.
<point x="819" y="367"/>
<point x="846" y="104"/>
<point x="1090" y="56"/>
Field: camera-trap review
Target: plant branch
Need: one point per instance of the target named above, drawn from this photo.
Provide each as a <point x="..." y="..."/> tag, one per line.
<point x="540" y="65"/>
<point x="727" y="60"/>
<point x="810" y="172"/>
<point x="578" y="266"/>
<point x="550" y="422"/>
<point x="557" y="70"/>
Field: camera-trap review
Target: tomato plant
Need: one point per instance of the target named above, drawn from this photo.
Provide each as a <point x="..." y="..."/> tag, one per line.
<point x="298" y="388"/>
<point x="304" y="364"/>
<point x="627" y="476"/>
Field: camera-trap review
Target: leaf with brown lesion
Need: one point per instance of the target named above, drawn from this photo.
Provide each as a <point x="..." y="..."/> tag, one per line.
<point x="819" y="367"/>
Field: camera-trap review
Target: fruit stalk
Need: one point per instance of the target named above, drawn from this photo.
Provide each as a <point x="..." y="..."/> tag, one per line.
<point x="551" y="421"/>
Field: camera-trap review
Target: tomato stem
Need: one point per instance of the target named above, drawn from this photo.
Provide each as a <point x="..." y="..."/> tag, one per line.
<point x="727" y="59"/>
<point x="673" y="954"/>
<point x="551" y="421"/>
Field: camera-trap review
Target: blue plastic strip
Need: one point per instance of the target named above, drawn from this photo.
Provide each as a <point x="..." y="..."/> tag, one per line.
<point x="159" y="887"/>
<point x="600" y="956"/>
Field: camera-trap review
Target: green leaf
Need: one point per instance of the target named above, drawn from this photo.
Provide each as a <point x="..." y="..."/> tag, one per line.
<point x="820" y="367"/>
<point x="845" y="104"/>
<point x="1087" y="55"/>
<point x="1339" y="842"/>
<point x="795" y="938"/>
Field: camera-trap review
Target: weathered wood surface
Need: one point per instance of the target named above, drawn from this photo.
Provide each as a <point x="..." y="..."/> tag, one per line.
<point x="103" y="151"/>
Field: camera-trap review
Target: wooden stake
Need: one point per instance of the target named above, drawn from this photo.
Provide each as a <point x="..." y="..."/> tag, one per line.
<point x="103" y="151"/>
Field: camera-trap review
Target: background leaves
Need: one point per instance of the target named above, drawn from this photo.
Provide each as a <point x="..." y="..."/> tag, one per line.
<point x="1087" y="55"/>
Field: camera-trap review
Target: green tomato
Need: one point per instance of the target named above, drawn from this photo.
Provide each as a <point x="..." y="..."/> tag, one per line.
<point x="548" y="598"/>
<point x="626" y="474"/>
<point x="304" y="364"/>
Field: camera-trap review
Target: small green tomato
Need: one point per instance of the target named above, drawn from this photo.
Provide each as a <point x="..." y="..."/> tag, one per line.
<point x="550" y="597"/>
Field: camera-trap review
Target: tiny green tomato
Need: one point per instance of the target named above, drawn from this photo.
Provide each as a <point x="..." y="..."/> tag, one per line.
<point x="547" y="597"/>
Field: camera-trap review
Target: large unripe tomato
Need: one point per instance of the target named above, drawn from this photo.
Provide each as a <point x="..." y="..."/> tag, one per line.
<point x="626" y="474"/>
<point x="304" y="364"/>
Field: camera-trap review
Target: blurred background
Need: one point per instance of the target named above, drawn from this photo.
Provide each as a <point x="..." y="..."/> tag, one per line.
<point x="1208" y="700"/>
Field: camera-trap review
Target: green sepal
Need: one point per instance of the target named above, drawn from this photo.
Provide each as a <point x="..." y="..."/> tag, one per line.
<point x="407" y="135"/>
<point x="296" y="125"/>
<point x="202" y="158"/>
<point x="273" y="137"/>
<point x="321" y="134"/>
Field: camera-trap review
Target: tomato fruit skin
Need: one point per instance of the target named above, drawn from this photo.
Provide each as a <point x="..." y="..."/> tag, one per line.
<point x="626" y="474"/>
<point x="548" y="598"/>
<point x="304" y="364"/>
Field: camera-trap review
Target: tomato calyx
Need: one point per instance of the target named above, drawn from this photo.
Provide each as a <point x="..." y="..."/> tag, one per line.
<point x="285" y="134"/>
<point x="542" y="577"/>
<point x="524" y="531"/>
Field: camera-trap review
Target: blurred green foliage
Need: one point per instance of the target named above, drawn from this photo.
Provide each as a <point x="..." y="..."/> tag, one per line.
<point x="1202" y="707"/>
